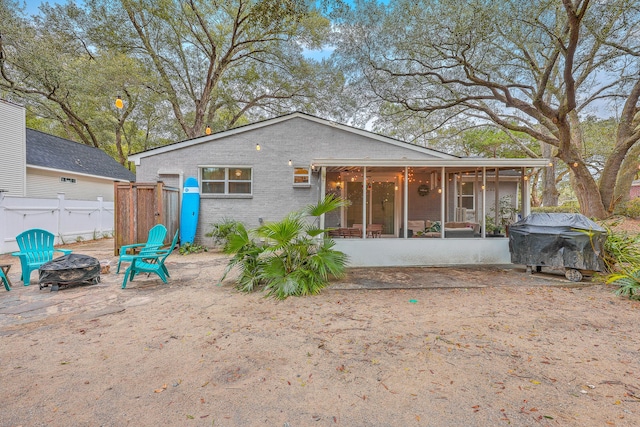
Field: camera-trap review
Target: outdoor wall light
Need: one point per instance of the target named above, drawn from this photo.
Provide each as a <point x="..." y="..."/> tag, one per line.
<point x="257" y="147"/>
<point x="290" y="162"/>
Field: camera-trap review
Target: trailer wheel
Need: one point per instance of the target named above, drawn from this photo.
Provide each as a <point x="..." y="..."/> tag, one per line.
<point x="573" y="275"/>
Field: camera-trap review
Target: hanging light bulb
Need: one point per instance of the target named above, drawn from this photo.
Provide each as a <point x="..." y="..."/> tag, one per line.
<point x="257" y="147"/>
<point x="207" y="131"/>
<point x="119" y="103"/>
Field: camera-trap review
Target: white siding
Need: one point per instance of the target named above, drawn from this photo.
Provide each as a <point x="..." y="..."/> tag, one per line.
<point x="12" y="147"/>
<point x="47" y="184"/>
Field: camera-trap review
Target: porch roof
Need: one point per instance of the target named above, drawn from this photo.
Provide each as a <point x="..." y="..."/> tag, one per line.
<point x="468" y="162"/>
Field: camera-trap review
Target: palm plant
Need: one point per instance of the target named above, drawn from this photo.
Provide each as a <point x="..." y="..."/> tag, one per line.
<point x="628" y="282"/>
<point x="622" y="258"/>
<point x="293" y="259"/>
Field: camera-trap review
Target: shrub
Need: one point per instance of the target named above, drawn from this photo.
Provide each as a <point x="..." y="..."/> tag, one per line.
<point x="191" y="248"/>
<point x="621" y="250"/>
<point x="622" y="258"/>
<point x="629" y="209"/>
<point x="628" y="282"/>
<point x="222" y="230"/>
<point x="288" y="257"/>
<point x="567" y="207"/>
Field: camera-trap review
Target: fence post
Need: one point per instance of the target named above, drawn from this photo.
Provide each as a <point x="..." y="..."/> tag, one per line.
<point x="100" y="216"/>
<point x="59" y="232"/>
<point x="3" y="222"/>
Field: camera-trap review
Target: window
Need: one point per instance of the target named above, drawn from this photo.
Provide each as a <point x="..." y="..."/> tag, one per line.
<point x="467" y="195"/>
<point x="226" y="180"/>
<point x="301" y="177"/>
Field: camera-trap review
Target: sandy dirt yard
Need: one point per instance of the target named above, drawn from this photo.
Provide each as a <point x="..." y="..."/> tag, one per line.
<point x="383" y="347"/>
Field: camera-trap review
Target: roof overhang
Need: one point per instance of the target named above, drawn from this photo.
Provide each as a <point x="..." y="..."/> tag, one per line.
<point x="68" y="172"/>
<point x="475" y="162"/>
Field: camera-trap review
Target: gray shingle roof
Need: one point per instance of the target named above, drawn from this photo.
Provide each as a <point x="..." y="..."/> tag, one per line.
<point x="53" y="152"/>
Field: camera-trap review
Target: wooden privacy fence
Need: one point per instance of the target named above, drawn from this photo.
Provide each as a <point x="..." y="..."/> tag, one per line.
<point x="141" y="205"/>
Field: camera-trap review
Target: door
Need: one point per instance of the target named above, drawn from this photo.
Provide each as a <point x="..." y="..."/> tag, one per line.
<point x="380" y="208"/>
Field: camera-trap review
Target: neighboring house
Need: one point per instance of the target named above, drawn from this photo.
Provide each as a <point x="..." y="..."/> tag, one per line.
<point x="398" y="191"/>
<point x="56" y="165"/>
<point x="36" y="164"/>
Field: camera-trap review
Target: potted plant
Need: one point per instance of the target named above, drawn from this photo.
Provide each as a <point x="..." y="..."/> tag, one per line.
<point x="499" y="223"/>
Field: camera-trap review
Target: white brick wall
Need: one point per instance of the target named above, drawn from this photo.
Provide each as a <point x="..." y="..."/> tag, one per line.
<point x="274" y="196"/>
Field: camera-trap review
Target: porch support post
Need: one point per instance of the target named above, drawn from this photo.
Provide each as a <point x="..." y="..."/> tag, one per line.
<point x="526" y="197"/>
<point x="483" y="220"/>
<point x="497" y="198"/>
<point x="405" y="216"/>
<point x="323" y="191"/>
<point x="364" y="202"/>
<point x="443" y="199"/>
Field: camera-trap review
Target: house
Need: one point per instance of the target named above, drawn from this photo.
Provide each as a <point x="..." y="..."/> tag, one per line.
<point x="410" y="205"/>
<point x="36" y="164"/>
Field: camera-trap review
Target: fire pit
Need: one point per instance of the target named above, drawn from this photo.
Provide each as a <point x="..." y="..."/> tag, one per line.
<point x="68" y="270"/>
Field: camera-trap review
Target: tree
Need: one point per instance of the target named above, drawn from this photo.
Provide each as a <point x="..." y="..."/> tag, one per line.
<point x="48" y="65"/>
<point x="534" y="70"/>
<point x="216" y="62"/>
<point x="178" y="66"/>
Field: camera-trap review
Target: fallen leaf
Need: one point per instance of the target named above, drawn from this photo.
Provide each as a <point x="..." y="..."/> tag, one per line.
<point x="535" y="382"/>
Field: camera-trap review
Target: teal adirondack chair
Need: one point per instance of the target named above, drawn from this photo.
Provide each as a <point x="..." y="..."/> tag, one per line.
<point x="155" y="240"/>
<point x="150" y="262"/>
<point x="5" y="280"/>
<point x="36" y="248"/>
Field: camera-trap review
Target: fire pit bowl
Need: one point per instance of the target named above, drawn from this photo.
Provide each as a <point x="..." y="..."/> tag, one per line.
<point x="68" y="270"/>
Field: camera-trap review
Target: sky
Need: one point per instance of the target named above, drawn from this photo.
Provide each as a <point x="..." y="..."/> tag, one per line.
<point x="32" y="5"/>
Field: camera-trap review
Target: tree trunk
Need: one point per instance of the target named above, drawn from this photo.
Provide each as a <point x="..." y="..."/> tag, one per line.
<point x="550" y="193"/>
<point x="587" y="192"/>
<point x="626" y="175"/>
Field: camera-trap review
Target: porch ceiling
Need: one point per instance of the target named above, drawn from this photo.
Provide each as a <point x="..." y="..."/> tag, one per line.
<point x="352" y="165"/>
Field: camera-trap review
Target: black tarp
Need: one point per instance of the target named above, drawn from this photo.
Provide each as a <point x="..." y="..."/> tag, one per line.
<point x="70" y="269"/>
<point x="557" y="240"/>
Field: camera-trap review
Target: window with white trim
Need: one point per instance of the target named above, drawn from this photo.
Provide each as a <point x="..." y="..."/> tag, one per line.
<point x="301" y="176"/>
<point x="226" y="180"/>
<point x="467" y="193"/>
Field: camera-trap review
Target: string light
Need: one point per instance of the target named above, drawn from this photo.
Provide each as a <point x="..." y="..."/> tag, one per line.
<point x="207" y="130"/>
<point x="119" y="103"/>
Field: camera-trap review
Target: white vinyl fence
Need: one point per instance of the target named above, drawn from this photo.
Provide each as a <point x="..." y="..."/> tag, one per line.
<point x="68" y="220"/>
